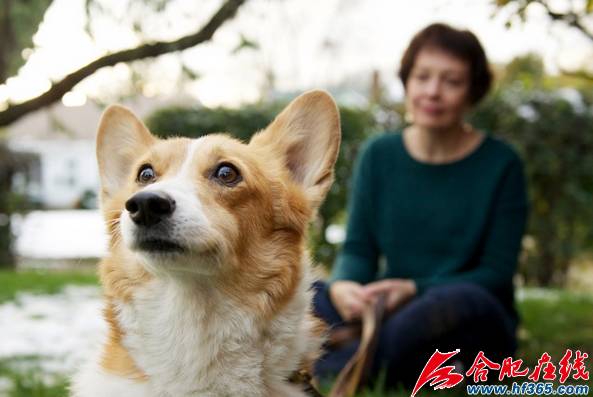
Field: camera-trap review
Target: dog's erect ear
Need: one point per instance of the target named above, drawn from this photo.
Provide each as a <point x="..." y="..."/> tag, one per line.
<point x="120" y="138"/>
<point x="307" y="135"/>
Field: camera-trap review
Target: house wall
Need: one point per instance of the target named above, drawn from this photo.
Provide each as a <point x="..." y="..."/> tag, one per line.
<point x="67" y="169"/>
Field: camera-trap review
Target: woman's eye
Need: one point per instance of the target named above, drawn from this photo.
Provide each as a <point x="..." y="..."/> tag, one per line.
<point x="227" y="174"/>
<point x="454" y="83"/>
<point x="146" y="174"/>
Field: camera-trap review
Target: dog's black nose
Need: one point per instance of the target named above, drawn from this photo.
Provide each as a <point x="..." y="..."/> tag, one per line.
<point x="149" y="208"/>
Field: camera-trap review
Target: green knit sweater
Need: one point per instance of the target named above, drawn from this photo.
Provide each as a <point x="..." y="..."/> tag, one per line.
<point x="436" y="224"/>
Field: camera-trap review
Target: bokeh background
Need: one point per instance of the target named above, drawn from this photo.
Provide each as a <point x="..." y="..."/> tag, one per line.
<point x="194" y="67"/>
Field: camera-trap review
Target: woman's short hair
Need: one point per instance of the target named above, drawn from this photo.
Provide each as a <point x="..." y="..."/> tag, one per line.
<point x="462" y="44"/>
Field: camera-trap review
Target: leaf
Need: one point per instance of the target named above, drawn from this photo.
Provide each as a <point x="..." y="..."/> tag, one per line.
<point x="502" y="3"/>
<point x="189" y="73"/>
<point x="245" y="43"/>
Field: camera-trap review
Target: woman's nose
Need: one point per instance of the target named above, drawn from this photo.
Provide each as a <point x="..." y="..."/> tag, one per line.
<point x="433" y="87"/>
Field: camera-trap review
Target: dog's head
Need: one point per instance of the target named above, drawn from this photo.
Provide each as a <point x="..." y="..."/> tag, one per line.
<point x="215" y="206"/>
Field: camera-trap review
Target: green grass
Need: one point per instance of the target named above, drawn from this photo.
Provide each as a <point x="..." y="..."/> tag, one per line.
<point x="562" y="321"/>
<point x="552" y="321"/>
<point x="29" y="380"/>
<point x="41" y="281"/>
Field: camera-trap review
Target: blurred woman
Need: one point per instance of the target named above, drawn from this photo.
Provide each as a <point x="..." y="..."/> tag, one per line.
<point x="444" y="205"/>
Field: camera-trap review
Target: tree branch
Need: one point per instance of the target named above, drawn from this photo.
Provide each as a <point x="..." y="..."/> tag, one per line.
<point x="580" y="74"/>
<point x="149" y="50"/>
<point x="569" y="18"/>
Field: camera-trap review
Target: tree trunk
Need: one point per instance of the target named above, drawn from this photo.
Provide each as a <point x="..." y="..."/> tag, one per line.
<point x="545" y="269"/>
<point x="7" y="260"/>
<point x="6" y="255"/>
<point x="7" y="38"/>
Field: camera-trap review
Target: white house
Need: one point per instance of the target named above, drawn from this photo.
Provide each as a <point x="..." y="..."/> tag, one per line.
<point x="65" y="173"/>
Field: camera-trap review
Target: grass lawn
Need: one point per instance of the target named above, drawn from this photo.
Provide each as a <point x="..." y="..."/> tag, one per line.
<point x="553" y="320"/>
<point x="28" y="380"/>
<point x="41" y="282"/>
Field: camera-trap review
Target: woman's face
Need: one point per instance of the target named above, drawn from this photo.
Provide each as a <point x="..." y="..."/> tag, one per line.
<point x="437" y="90"/>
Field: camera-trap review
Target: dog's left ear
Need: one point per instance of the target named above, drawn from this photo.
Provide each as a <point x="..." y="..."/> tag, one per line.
<point x="307" y="135"/>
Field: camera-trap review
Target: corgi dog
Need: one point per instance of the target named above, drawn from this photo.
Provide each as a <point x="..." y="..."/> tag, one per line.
<point x="207" y="279"/>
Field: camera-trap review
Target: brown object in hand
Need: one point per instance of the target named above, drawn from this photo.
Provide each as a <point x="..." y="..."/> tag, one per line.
<point x="344" y="335"/>
<point x="356" y="372"/>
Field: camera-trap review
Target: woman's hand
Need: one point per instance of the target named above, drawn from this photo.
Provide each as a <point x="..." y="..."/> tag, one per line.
<point x="397" y="291"/>
<point x="348" y="298"/>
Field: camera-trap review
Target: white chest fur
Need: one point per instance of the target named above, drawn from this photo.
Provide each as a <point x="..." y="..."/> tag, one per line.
<point x="191" y="341"/>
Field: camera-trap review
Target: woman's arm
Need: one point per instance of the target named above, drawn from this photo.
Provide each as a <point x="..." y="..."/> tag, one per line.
<point x="357" y="260"/>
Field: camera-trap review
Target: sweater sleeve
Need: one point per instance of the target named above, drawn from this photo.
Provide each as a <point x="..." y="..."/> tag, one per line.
<point x="497" y="261"/>
<point x="357" y="260"/>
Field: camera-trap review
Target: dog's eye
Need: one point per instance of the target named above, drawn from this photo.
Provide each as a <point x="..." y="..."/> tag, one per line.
<point x="227" y="174"/>
<point x="146" y="174"/>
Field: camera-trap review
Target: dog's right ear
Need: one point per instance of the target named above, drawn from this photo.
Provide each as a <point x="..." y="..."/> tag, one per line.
<point x="306" y="135"/>
<point x="120" y="138"/>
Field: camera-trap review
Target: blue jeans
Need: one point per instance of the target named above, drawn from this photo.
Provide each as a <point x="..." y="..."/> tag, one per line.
<point x="448" y="317"/>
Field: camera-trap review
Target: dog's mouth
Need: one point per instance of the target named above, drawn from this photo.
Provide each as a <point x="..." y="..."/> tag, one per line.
<point x="157" y="245"/>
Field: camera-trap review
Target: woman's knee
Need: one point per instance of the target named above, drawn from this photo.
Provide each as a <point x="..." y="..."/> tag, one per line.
<point x="466" y="299"/>
<point x="464" y="291"/>
<point x="442" y="311"/>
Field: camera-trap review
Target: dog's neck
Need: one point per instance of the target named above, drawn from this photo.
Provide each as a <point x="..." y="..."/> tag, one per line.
<point x="176" y="330"/>
<point x="189" y="335"/>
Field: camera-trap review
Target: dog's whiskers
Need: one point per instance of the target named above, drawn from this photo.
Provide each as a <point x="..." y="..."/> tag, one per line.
<point x="112" y="222"/>
<point x="116" y="239"/>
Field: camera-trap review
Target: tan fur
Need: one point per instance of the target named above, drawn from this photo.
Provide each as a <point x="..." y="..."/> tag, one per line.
<point x="116" y="358"/>
<point x="260" y="225"/>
